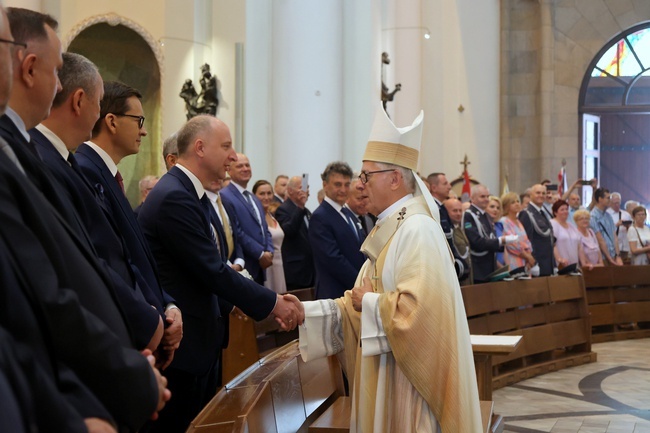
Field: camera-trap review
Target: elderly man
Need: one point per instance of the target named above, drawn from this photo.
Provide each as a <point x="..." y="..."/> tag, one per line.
<point x="537" y="223"/>
<point x="574" y="205"/>
<point x="406" y="296"/>
<point x="479" y="229"/>
<point x="145" y="185"/>
<point x="622" y="220"/>
<point x="293" y="216"/>
<point x="170" y="151"/>
<point x="193" y="268"/>
<point x="335" y="235"/>
<point x="358" y="204"/>
<point x="459" y="242"/>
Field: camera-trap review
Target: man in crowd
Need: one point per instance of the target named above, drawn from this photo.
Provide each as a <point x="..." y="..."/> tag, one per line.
<point x="145" y="185"/>
<point x="480" y="232"/>
<point x="118" y="134"/>
<point x="293" y="217"/>
<point x="409" y="274"/>
<point x="440" y="187"/>
<point x="280" y="188"/>
<point x="574" y="205"/>
<point x="358" y="204"/>
<point x="227" y="218"/>
<point x="88" y="355"/>
<point x="170" y="151"/>
<point x="460" y="243"/>
<point x="537" y="223"/>
<point x="335" y="235"/>
<point x="603" y="225"/>
<point x="622" y="221"/>
<point x="253" y="231"/>
<point x="193" y="268"/>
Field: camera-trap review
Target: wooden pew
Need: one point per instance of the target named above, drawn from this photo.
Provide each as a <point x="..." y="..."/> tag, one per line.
<point x="549" y="312"/>
<point x="619" y="302"/>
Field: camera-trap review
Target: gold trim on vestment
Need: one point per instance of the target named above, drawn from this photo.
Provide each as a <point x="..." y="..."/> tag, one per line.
<point x="392" y="153"/>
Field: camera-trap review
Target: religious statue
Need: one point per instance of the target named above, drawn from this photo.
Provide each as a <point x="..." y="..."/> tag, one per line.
<point x="387" y="96"/>
<point x="205" y="102"/>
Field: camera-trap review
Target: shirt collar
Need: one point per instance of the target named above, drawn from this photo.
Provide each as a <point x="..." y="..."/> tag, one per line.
<point x="334" y="204"/>
<point x="58" y="144"/>
<point x="480" y="211"/>
<point x="240" y="188"/>
<point x="392" y="208"/>
<point x="18" y="121"/>
<point x="112" y="167"/>
<point x="539" y="208"/>
<point x="198" y="186"/>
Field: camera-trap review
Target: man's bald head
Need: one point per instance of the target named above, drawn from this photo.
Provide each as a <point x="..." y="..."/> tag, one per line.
<point x="538" y="194"/>
<point x="454" y="209"/>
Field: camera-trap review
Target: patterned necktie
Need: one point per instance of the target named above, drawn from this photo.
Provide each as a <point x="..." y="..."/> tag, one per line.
<point x="249" y="198"/>
<point x="226" y="226"/>
<point x="120" y="181"/>
<point x="205" y="202"/>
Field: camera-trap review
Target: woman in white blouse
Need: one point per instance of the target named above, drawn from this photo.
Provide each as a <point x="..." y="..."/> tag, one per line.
<point x="639" y="237"/>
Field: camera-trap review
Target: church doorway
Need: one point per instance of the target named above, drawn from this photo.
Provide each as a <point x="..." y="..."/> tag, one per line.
<point x="614" y="107"/>
<point x="119" y="49"/>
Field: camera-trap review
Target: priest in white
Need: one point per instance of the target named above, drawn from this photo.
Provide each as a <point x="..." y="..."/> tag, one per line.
<point x="401" y="333"/>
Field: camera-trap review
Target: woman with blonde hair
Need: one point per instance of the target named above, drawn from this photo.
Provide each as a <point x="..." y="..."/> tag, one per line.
<point x="520" y="252"/>
<point x="494" y="211"/>
<point x="590" y="256"/>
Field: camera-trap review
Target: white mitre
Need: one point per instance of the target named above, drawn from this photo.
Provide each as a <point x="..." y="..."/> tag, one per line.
<point x="399" y="146"/>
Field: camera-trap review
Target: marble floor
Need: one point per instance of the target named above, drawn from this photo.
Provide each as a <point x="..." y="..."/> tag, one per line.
<point x="611" y="395"/>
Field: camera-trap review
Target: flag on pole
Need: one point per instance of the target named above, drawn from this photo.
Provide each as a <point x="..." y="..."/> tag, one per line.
<point x="467" y="187"/>
<point x="562" y="182"/>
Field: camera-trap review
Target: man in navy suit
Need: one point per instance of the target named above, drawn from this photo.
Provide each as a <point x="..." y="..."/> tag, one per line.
<point x="188" y="242"/>
<point x="74" y="112"/>
<point x="293" y="217"/>
<point x="253" y="231"/>
<point x="335" y="235"/>
<point x="117" y="134"/>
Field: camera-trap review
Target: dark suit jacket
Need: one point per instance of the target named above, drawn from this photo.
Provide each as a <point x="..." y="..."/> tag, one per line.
<point x="337" y="258"/>
<point x="118" y="206"/>
<point x="192" y="270"/>
<point x="460" y="264"/>
<point x="238" y="251"/>
<point x="60" y="276"/>
<point x="483" y="248"/>
<point x="143" y="320"/>
<point x="253" y="238"/>
<point x="297" y="258"/>
<point x="542" y="245"/>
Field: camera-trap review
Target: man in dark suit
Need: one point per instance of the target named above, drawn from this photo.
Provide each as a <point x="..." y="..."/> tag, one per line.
<point x="539" y="230"/>
<point x="358" y="204"/>
<point x="227" y="218"/>
<point x="480" y="233"/>
<point x="440" y="187"/>
<point x="280" y="188"/>
<point x="117" y="134"/>
<point x="193" y="267"/>
<point x="73" y="115"/>
<point x="293" y="217"/>
<point x="48" y="272"/>
<point x="335" y="236"/>
<point x="253" y="232"/>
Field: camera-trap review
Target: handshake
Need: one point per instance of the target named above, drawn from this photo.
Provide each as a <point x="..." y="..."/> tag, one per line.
<point x="288" y="312"/>
<point x="508" y="239"/>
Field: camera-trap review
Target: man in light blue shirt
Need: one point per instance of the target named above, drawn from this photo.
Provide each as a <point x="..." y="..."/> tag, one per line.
<point x="603" y="225"/>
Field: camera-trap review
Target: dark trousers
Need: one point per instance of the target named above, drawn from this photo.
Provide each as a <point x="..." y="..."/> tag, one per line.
<point x="190" y="393"/>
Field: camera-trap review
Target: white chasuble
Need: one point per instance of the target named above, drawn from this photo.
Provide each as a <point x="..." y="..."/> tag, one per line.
<point x="414" y="369"/>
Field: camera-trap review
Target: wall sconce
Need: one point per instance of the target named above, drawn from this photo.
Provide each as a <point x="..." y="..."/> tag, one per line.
<point x="427" y="32"/>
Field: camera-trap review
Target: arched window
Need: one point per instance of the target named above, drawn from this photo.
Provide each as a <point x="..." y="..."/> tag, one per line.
<point x="615" y="116"/>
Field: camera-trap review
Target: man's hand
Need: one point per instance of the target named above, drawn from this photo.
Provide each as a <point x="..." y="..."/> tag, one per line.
<point x="237" y="268"/>
<point x="618" y="261"/>
<point x="266" y="260"/>
<point x="171" y="338"/>
<point x="163" y="393"/>
<point x="301" y="198"/>
<point x="288" y="312"/>
<point x="97" y="425"/>
<point x="358" y="292"/>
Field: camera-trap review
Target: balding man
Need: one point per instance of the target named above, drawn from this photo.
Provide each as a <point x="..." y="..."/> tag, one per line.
<point x="253" y="231"/>
<point x="170" y="151"/>
<point x="193" y="267"/>
<point x="480" y="232"/>
<point x="539" y="230"/>
<point x="574" y="205"/>
<point x="293" y="216"/>
<point x="459" y="242"/>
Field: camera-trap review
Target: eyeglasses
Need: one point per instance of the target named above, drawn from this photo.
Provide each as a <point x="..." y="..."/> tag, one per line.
<point x="18" y="44"/>
<point x="140" y="118"/>
<point x="364" y="175"/>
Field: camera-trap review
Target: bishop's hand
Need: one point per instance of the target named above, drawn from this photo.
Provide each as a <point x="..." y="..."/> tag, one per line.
<point x="358" y="292"/>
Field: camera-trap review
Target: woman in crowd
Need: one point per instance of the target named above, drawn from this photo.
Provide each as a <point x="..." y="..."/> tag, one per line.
<point x="639" y="237"/>
<point x="567" y="237"/>
<point x="590" y="252"/>
<point x="519" y="253"/>
<point x="494" y="211"/>
<point x="274" y="273"/>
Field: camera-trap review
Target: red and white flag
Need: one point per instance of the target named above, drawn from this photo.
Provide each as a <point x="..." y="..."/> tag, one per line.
<point x="467" y="187"/>
<point x="562" y="185"/>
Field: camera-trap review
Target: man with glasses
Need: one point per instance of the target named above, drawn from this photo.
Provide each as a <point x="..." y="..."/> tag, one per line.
<point x="403" y="328"/>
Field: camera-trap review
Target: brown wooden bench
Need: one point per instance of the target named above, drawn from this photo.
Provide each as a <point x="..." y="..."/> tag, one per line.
<point x="619" y="302"/>
<point x="550" y="313"/>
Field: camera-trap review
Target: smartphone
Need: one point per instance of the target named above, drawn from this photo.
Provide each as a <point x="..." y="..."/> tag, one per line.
<point x="305" y="181"/>
<point x="585" y="182"/>
<point x="551" y="187"/>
